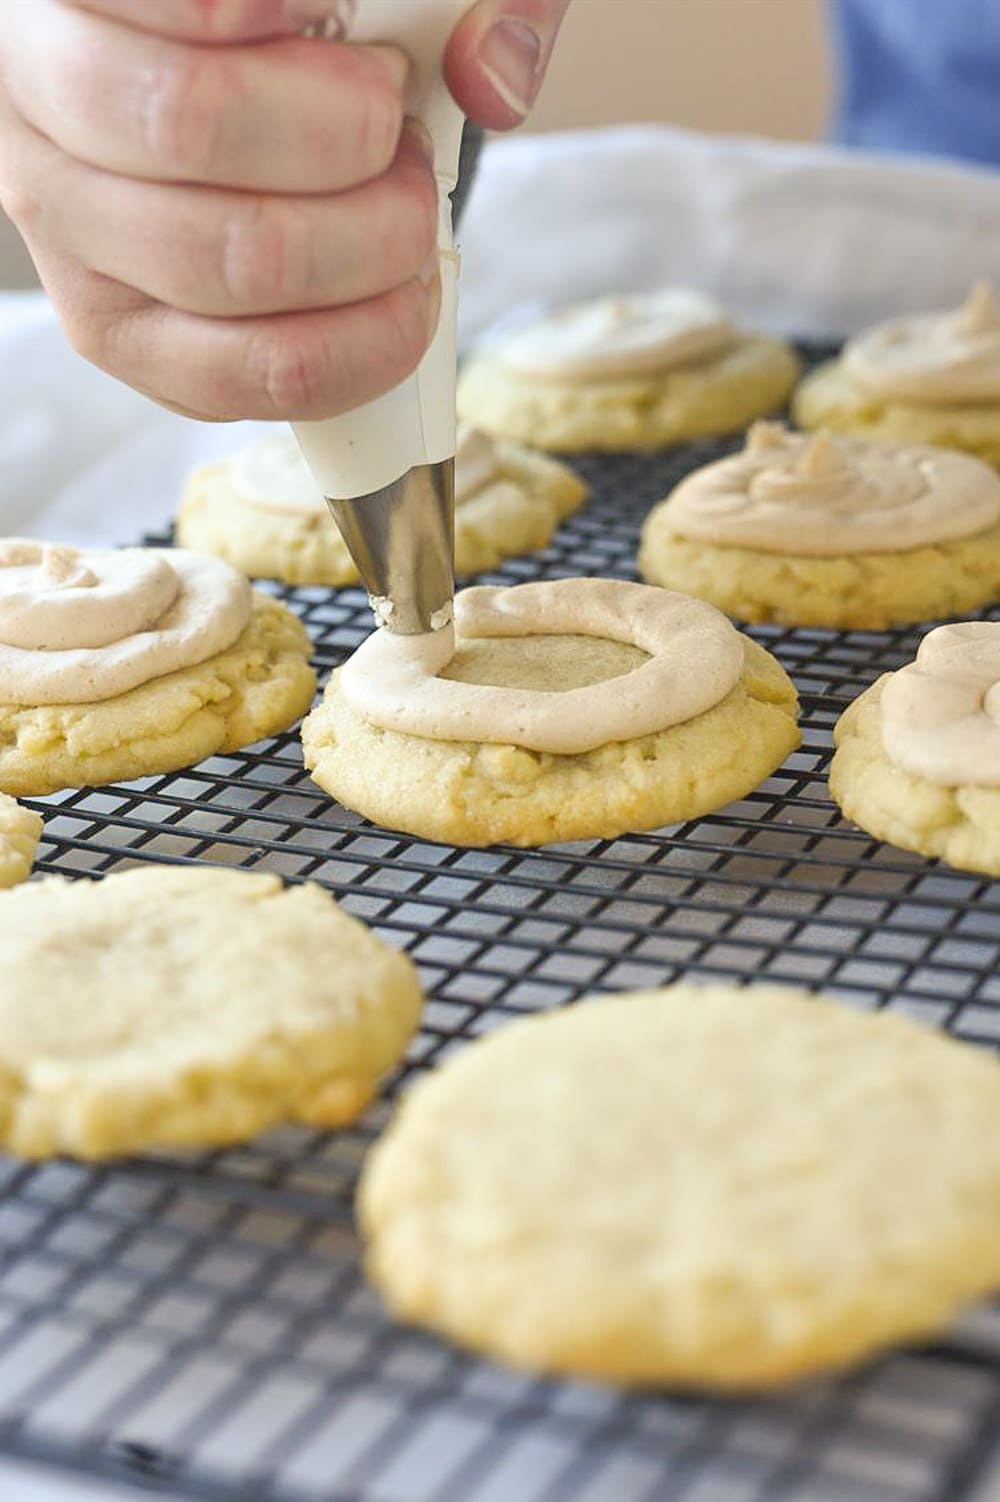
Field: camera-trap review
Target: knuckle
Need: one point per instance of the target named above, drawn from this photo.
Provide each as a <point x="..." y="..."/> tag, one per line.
<point x="21" y="202"/>
<point x="228" y="20"/>
<point x="90" y="337"/>
<point x="291" y="369"/>
<point x="301" y="371"/>
<point x="182" y="112"/>
<point x="259" y="266"/>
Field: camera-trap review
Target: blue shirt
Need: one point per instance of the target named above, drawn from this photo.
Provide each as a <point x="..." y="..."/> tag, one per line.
<point x="918" y="76"/>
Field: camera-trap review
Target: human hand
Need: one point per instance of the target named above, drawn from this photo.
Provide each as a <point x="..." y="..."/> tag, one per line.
<point x="231" y="217"/>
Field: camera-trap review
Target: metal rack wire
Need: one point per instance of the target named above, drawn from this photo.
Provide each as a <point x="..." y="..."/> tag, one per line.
<point x="199" y="1325"/>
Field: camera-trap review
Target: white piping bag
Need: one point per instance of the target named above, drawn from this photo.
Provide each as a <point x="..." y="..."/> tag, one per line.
<point x="388" y="469"/>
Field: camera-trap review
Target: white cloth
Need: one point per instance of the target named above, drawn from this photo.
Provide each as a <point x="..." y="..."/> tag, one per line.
<point x="800" y="239"/>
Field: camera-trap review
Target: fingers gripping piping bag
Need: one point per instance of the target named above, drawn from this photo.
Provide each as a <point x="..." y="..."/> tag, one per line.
<point x="388" y="469"/>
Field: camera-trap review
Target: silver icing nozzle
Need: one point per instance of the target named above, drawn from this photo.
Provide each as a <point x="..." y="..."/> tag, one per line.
<point x="402" y="539"/>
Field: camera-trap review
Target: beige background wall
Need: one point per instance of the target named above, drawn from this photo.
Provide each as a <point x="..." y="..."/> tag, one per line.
<point x="754" y="66"/>
<point x="748" y="66"/>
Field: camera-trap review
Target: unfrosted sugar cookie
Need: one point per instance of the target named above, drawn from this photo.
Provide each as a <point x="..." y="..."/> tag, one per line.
<point x="713" y="1188"/>
<point x="562" y="710"/>
<point x="188" y="1007"/>
<point x="918" y="754"/>
<point x="262" y="510"/>
<point x="20" y="831"/>
<point x="118" y="663"/>
<point x="628" y="372"/>
<point x="928" y="378"/>
<point x="826" y="530"/>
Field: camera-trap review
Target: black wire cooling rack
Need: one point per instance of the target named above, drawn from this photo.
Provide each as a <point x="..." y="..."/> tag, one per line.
<point x="200" y="1325"/>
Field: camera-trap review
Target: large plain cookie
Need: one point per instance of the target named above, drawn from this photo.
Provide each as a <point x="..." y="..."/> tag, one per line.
<point x="713" y="1188"/>
<point x="719" y="394"/>
<point x="255" y="688"/>
<point x="516" y="511"/>
<point x="469" y="792"/>
<point x="20" y="830"/>
<point x="167" y="1006"/>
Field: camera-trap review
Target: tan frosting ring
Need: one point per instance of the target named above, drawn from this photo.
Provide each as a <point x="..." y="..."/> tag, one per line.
<point x="941" y="713"/>
<point x="695" y="660"/>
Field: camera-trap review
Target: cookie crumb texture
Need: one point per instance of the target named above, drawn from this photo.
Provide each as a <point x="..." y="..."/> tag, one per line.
<point x="516" y="513"/>
<point x="861" y="591"/>
<point x="718" y="395"/>
<point x="960" y="825"/>
<point x="714" y="1188"/>
<point x="257" y="687"/>
<point x="166" y="1007"/>
<point x="828" y="398"/>
<point x="470" y="793"/>
<point x="20" y="831"/>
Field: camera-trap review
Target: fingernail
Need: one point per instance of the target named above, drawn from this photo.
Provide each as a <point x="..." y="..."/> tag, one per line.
<point x="510" y="54"/>
<point x="421" y="136"/>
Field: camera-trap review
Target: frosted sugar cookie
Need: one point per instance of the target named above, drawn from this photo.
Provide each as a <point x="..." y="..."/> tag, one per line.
<point x="188" y="1007"/>
<point x="929" y="378"/>
<point x="561" y="710"/>
<point x="115" y="664"/>
<point x="712" y="1188"/>
<point x="824" y="530"/>
<point x="262" y="510"/>
<point x="20" y="831"/>
<point x="629" y="372"/>
<point x="918" y="753"/>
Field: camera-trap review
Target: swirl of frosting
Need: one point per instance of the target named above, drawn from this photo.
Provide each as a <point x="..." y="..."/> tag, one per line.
<point x="272" y="475"/>
<point x="695" y="659"/>
<point x="824" y="495"/>
<point x="949" y="357"/>
<point x="941" y="713"/>
<point x="616" y="337"/>
<point x="79" y="626"/>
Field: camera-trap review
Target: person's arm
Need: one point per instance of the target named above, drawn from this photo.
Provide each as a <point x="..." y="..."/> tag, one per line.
<point x="230" y="217"/>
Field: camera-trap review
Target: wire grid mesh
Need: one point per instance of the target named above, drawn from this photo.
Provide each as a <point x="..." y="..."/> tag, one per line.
<point x="200" y="1324"/>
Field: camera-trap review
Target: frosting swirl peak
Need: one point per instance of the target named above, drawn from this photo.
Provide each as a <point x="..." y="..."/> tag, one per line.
<point x="951" y="357"/>
<point x="824" y="495"/>
<point x="616" y="337"/>
<point x="81" y="626"/>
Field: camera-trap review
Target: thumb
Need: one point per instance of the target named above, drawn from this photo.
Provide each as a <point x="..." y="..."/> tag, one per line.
<point x="497" y="56"/>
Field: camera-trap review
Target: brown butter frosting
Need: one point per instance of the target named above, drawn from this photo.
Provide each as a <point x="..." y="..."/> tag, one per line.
<point x="83" y="625"/>
<point x="695" y="658"/>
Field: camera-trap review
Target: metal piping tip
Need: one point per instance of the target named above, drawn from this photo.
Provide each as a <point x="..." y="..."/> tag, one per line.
<point x="402" y="539"/>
